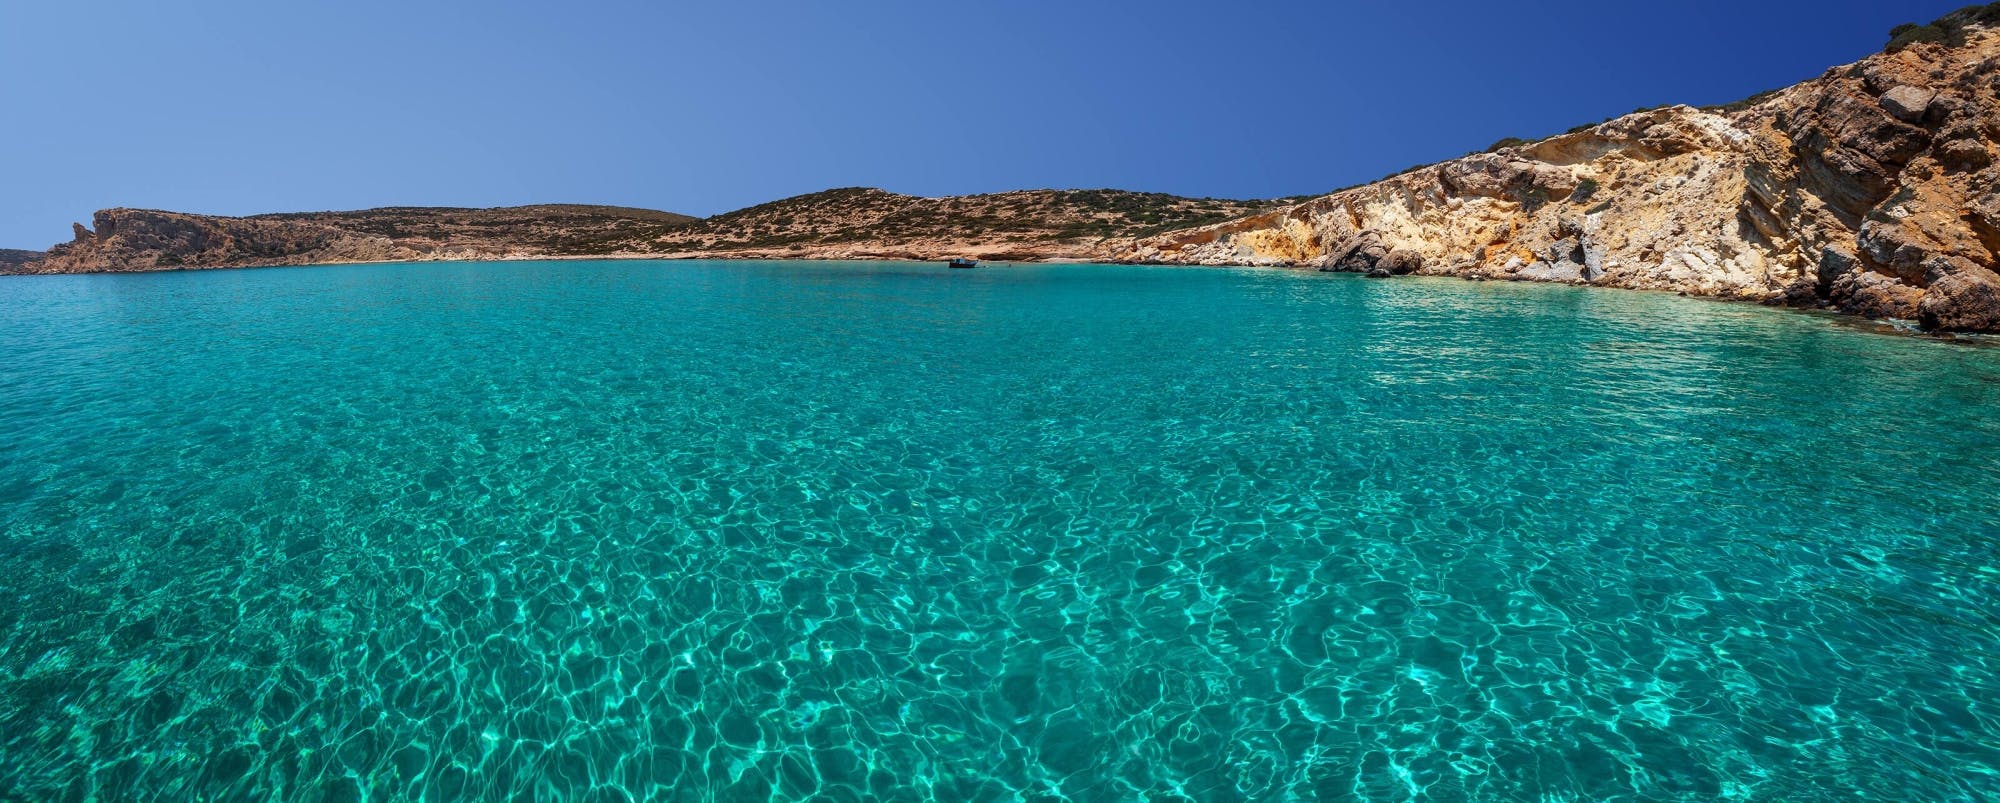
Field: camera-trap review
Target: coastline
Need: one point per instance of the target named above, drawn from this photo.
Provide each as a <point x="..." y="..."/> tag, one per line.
<point x="721" y="427"/>
<point x="1867" y="190"/>
<point x="1886" y="326"/>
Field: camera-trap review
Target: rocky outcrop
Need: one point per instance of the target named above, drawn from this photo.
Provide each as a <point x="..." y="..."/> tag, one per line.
<point x="1872" y="189"/>
<point x="139" y="239"/>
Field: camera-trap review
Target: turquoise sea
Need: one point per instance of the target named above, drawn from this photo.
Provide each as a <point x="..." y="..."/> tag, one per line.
<point x="611" y="531"/>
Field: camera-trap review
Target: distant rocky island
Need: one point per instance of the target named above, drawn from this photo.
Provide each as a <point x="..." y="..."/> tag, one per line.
<point x="852" y="223"/>
<point x="15" y="259"/>
<point x="1871" y="190"/>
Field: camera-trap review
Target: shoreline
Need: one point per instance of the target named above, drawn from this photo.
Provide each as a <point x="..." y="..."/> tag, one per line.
<point x="1886" y="326"/>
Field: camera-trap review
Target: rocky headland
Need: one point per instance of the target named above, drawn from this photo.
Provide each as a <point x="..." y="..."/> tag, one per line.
<point x="1872" y="189"/>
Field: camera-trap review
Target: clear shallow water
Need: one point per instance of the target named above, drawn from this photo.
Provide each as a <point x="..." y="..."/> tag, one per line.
<point x="611" y="531"/>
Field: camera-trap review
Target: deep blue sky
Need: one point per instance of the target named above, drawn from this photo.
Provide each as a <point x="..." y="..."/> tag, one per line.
<point x="244" y="107"/>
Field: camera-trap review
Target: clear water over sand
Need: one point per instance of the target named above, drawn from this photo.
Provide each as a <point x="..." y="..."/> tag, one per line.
<point x="690" y="531"/>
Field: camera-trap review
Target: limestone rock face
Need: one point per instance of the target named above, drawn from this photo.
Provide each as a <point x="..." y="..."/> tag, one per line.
<point x="1874" y="189"/>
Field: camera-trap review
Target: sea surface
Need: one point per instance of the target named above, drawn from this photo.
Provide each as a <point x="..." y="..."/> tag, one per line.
<point x="611" y="531"/>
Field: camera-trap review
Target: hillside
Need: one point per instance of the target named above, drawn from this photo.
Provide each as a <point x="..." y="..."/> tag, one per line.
<point x="835" y="224"/>
<point x="1872" y="190"/>
<point x="144" y="239"/>
<point x="542" y="228"/>
<point x="14" y="260"/>
<point x="863" y="222"/>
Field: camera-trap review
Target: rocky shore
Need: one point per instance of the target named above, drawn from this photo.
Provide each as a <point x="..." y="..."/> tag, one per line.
<point x="1871" y="190"/>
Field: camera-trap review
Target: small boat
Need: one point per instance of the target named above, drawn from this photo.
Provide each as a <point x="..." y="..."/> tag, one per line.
<point x="962" y="262"/>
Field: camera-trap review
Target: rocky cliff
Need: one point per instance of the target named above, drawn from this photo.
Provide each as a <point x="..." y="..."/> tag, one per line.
<point x="1872" y="189"/>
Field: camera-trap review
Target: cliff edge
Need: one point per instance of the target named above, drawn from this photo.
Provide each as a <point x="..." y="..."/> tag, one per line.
<point x="1872" y="189"/>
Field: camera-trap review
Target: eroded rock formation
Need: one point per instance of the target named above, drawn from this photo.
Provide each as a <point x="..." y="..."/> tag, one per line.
<point x="1872" y="189"/>
<point x="141" y="239"/>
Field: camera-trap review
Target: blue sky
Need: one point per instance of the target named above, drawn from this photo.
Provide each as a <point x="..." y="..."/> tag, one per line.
<point x="242" y="107"/>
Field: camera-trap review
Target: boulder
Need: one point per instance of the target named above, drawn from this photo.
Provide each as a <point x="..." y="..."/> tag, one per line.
<point x="1874" y="295"/>
<point x="1402" y="262"/>
<point x="1945" y="111"/>
<point x="1361" y="255"/>
<point x="1802" y="293"/>
<point x="1967" y="301"/>
<point x="1908" y="103"/>
<point x="1553" y="272"/>
<point x="1964" y="155"/>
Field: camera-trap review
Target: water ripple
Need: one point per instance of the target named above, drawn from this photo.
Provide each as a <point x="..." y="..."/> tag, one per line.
<point x="694" y="531"/>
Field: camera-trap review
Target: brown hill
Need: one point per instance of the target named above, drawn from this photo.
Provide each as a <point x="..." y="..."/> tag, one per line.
<point x="835" y="224"/>
<point x="144" y="239"/>
<point x="541" y="228"/>
<point x="861" y="222"/>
